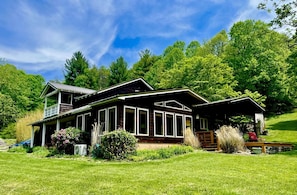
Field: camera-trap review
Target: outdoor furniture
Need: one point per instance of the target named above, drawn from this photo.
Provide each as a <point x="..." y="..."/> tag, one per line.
<point x="253" y="137"/>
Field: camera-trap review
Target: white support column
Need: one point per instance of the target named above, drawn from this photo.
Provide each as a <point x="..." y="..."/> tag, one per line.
<point x="32" y="137"/>
<point x="58" y="125"/>
<point x="43" y="134"/>
<point x="59" y="101"/>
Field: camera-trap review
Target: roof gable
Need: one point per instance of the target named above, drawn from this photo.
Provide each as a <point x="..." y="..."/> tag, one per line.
<point x="52" y="86"/>
<point x="134" y="86"/>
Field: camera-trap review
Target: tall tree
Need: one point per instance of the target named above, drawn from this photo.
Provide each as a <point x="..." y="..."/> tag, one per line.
<point x="208" y="76"/>
<point x="118" y="71"/>
<point x="77" y="65"/>
<point x="140" y="68"/>
<point x="258" y="56"/>
<point x="192" y="48"/>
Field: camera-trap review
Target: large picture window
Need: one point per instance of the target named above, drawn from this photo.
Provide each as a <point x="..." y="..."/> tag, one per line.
<point x="143" y="121"/>
<point x="159" y="124"/>
<point x="130" y="119"/>
<point x="179" y="125"/>
<point x="173" y="123"/>
<point x="136" y="120"/>
<point x="169" y="121"/>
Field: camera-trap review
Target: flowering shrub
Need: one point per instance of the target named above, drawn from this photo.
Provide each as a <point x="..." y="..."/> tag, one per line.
<point x="117" y="145"/>
<point x="65" y="139"/>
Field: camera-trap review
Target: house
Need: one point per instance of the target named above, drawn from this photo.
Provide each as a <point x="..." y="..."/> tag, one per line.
<point x="153" y="116"/>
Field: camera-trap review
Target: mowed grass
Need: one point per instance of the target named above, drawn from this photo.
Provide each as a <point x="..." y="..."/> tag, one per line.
<point x="282" y="128"/>
<point x="195" y="173"/>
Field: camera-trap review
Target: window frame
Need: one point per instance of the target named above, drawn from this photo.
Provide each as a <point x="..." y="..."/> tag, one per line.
<point x="203" y="123"/>
<point x="135" y="119"/>
<point x="173" y="126"/>
<point x="83" y="122"/>
<point x="106" y="123"/>
<point x="183" y="125"/>
<point x="147" y="121"/>
<point x="163" y="128"/>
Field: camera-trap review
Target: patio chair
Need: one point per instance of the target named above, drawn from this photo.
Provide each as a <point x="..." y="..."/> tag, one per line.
<point x="253" y="137"/>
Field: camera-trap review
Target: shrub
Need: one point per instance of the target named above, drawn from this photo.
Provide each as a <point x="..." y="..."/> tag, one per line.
<point x="230" y="140"/>
<point x="40" y="151"/>
<point x="96" y="151"/>
<point x="190" y="139"/>
<point x="65" y="139"/>
<point x="161" y="153"/>
<point x="18" y="149"/>
<point x="118" y="144"/>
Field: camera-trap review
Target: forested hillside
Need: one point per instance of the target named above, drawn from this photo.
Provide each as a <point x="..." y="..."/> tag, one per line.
<point x="250" y="60"/>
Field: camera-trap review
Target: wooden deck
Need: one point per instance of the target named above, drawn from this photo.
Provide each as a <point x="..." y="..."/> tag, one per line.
<point x="265" y="145"/>
<point x="209" y="142"/>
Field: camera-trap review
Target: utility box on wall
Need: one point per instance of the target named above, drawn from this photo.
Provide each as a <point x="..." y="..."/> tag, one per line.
<point x="80" y="149"/>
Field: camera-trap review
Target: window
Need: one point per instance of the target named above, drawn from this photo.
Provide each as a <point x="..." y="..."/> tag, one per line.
<point x="188" y="122"/>
<point x="169" y="124"/>
<point x="143" y="121"/>
<point x="102" y="119"/>
<point x="66" y="98"/>
<point x="179" y="125"/>
<point x="112" y="119"/>
<point x="173" y="104"/>
<point x="84" y="122"/>
<point x="203" y="124"/>
<point x="130" y="119"/>
<point x="158" y="122"/>
<point x="79" y="122"/>
<point x="108" y="119"/>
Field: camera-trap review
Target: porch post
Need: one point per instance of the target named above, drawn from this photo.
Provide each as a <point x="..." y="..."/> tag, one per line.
<point x="58" y="125"/>
<point x="32" y="137"/>
<point x="43" y="135"/>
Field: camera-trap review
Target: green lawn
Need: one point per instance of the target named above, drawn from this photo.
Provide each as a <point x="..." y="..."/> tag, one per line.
<point x="195" y="173"/>
<point x="282" y="128"/>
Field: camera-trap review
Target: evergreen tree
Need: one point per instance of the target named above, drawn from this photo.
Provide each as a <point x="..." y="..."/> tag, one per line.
<point x="118" y="71"/>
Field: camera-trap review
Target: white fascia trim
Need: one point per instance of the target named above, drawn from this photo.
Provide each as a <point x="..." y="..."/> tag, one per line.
<point x="161" y="93"/>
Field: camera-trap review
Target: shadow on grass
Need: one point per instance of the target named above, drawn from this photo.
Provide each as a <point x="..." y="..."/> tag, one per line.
<point x="285" y="125"/>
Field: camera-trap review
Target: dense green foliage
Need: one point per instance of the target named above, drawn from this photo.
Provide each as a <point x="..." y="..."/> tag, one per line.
<point x="19" y="93"/>
<point x="118" y="144"/>
<point x="118" y="71"/>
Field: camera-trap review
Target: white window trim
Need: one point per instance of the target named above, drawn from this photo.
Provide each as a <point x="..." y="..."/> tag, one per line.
<point x="147" y="119"/>
<point x="135" y="119"/>
<point x="83" y="120"/>
<point x="115" y="118"/>
<point x="105" y="110"/>
<point x="183" y="125"/>
<point x="203" y="122"/>
<point x="174" y="129"/>
<point x="163" y="104"/>
<point x="159" y="112"/>
<point x="106" y="123"/>
<point x="185" y="121"/>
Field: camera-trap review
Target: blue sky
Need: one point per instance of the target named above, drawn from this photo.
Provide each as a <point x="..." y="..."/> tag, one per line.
<point x="38" y="36"/>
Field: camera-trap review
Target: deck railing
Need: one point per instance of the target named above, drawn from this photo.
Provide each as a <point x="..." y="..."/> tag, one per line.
<point x="51" y="111"/>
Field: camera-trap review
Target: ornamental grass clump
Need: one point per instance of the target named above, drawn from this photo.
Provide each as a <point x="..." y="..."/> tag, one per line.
<point x="230" y="140"/>
<point x="190" y="139"/>
<point x="65" y="139"/>
<point x="118" y="144"/>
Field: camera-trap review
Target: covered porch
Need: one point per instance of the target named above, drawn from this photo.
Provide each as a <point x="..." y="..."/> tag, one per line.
<point x="209" y="117"/>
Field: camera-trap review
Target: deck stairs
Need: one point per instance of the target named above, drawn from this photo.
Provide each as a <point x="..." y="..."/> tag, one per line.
<point x="207" y="140"/>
